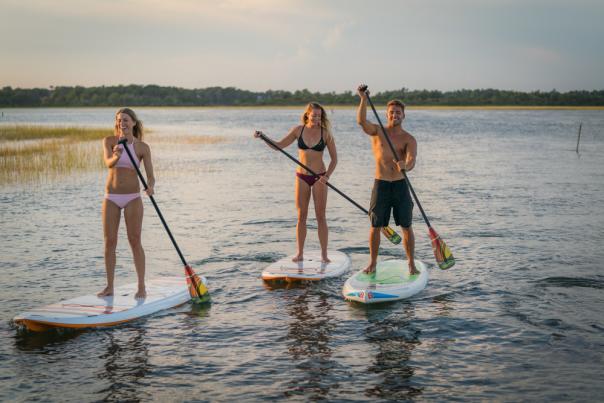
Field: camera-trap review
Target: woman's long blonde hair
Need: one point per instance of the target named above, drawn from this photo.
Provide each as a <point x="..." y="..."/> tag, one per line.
<point x="138" y="124"/>
<point x="325" y="124"/>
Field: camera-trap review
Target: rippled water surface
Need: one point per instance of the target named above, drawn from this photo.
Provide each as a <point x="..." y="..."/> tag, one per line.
<point x="520" y="316"/>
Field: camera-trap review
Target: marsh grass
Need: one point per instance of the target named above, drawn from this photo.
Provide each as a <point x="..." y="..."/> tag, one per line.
<point x="37" y="153"/>
<point x="34" y="153"/>
<point x="50" y="160"/>
<point x="22" y="133"/>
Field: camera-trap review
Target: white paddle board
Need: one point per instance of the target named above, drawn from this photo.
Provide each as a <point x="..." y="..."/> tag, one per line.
<point x="390" y="282"/>
<point x="311" y="268"/>
<point x="93" y="311"/>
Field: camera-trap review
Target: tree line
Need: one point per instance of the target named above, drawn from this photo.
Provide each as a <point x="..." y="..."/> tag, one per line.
<point x="154" y="95"/>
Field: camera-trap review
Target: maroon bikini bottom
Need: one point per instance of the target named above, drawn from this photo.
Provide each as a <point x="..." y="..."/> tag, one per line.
<point x="309" y="179"/>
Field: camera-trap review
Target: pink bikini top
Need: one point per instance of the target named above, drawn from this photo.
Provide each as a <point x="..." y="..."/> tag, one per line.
<point x="124" y="161"/>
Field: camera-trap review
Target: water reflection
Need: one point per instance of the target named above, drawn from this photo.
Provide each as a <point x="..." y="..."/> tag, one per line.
<point x="395" y="337"/>
<point x="58" y="365"/>
<point x="444" y="304"/>
<point x="126" y="362"/>
<point x="308" y="340"/>
<point x="28" y="341"/>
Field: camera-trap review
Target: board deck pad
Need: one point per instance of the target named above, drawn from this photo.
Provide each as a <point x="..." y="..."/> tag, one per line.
<point x="93" y="311"/>
<point x="388" y="273"/>
<point x="310" y="269"/>
<point x="390" y="282"/>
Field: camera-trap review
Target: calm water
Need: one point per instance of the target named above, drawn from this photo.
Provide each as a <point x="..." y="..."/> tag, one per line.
<point x="520" y="317"/>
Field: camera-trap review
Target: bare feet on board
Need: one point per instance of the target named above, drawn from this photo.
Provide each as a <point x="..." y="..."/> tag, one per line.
<point x="370" y="269"/>
<point x="107" y="292"/>
<point x="141" y="293"/>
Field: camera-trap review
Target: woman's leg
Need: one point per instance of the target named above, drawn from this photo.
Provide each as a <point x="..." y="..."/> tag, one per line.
<point x="133" y="214"/>
<point x="302" y="200"/>
<point x="319" y="195"/>
<point x="111" y="222"/>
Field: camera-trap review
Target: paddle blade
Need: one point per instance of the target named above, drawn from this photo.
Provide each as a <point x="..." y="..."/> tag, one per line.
<point x="391" y="235"/>
<point x="197" y="289"/>
<point x="442" y="253"/>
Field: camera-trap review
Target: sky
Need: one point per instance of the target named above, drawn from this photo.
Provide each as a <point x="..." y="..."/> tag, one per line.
<point x="319" y="45"/>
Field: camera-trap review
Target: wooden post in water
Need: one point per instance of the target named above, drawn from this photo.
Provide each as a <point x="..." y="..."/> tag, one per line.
<point x="579" y="136"/>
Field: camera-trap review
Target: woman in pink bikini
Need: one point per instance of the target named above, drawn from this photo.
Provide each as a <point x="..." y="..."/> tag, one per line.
<point x="312" y="136"/>
<point x="122" y="192"/>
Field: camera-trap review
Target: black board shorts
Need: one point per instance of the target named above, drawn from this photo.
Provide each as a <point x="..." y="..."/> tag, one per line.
<point x="387" y="196"/>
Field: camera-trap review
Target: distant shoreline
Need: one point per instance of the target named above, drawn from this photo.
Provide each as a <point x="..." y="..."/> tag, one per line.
<point x="155" y="95"/>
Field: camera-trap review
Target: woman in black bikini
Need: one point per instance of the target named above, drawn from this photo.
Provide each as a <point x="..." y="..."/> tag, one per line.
<point x="313" y="136"/>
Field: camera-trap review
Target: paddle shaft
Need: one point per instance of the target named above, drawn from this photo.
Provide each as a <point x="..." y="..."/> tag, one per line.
<point x="269" y="141"/>
<point x="161" y="217"/>
<point x="398" y="159"/>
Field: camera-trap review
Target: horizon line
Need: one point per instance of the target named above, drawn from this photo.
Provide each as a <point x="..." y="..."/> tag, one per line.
<point x="53" y="87"/>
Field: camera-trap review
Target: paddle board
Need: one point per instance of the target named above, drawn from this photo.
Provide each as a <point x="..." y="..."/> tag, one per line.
<point x="93" y="311"/>
<point x="311" y="268"/>
<point x="390" y="282"/>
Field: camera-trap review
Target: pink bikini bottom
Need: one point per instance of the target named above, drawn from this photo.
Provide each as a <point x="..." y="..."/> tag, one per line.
<point x="122" y="200"/>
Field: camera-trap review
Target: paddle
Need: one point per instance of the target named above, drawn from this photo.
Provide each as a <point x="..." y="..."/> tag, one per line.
<point x="443" y="255"/>
<point x="197" y="289"/>
<point x="387" y="231"/>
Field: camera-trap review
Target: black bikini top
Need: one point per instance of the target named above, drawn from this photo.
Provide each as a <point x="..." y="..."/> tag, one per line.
<point x="320" y="146"/>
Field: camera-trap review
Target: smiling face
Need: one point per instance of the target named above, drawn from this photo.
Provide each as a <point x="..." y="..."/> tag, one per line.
<point x="124" y="124"/>
<point x="314" y="116"/>
<point x="395" y="115"/>
<point x="128" y="124"/>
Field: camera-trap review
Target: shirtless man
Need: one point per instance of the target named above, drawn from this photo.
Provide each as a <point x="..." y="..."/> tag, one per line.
<point x="390" y="190"/>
